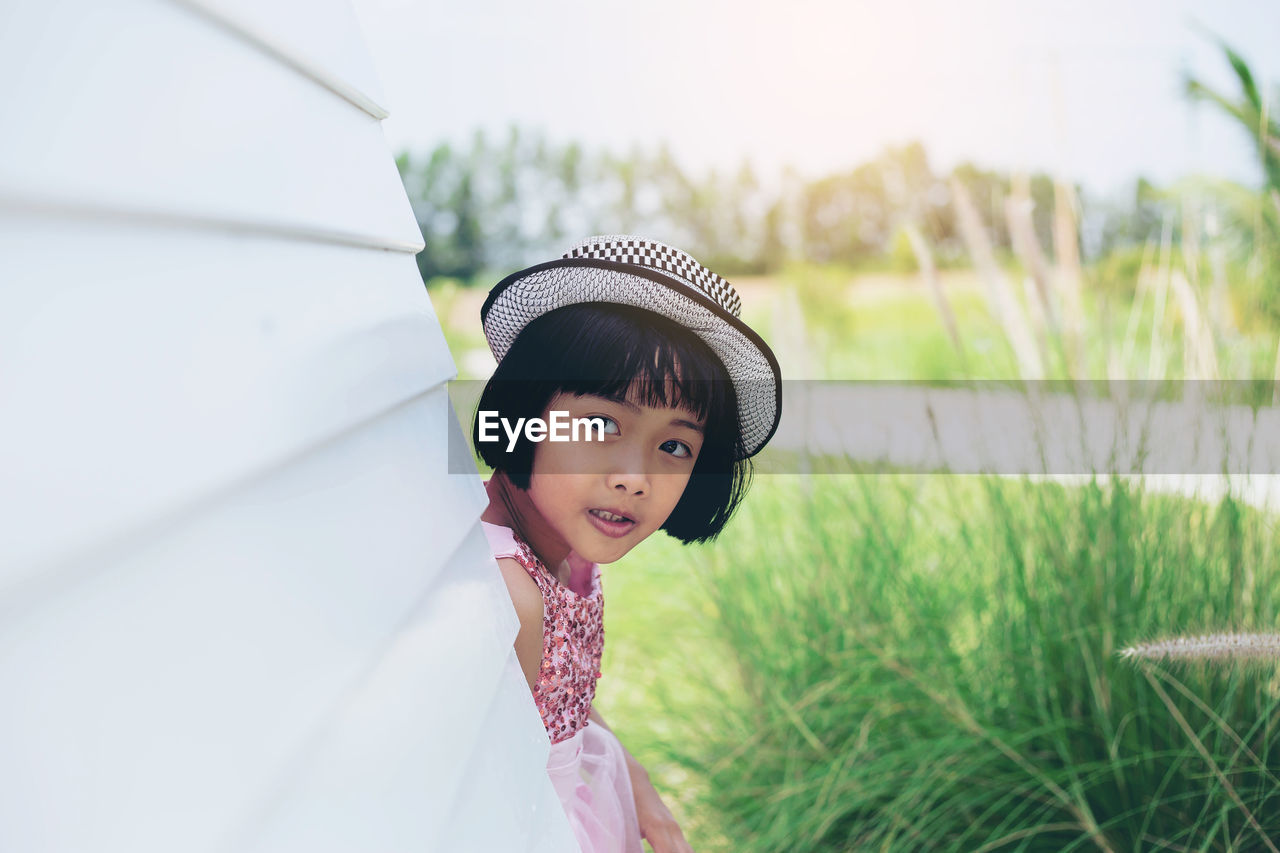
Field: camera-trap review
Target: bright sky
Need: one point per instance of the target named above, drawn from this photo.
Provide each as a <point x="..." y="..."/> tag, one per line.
<point x="1090" y="87"/>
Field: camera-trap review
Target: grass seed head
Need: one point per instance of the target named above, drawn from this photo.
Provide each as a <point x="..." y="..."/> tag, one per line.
<point x="1220" y="648"/>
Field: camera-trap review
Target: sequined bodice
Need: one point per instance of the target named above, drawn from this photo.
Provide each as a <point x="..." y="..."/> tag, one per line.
<point x="572" y="637"/>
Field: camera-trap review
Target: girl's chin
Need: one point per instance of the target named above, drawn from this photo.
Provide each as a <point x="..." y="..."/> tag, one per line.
<point x="595" y="547"/>
<point x="606" y="553"/>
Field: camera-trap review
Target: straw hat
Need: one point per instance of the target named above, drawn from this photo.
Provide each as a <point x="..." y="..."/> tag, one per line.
<point x="654" y="276"/>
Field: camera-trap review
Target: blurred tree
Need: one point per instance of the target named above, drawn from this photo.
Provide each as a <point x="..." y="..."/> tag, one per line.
<point x="444" y="203"/>
<point x="773" y="248"/>
<point x="1134" y="221"/>
<point x="852" y="217"/>
<point x="742" y="212"/>
<point x="625" y="174"/>
<point x="493" y="206"/>
<point x="988" y="190"/>
<point x="505" y="237"/>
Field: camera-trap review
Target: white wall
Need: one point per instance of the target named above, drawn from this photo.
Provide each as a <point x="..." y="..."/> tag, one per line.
<point x="243" y="605"/>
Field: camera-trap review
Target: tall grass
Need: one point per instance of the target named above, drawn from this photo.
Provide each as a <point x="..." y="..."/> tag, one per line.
<point x="930" y="663"/>
<point x="1051" y="332"/>
<point x="933" y="663"/>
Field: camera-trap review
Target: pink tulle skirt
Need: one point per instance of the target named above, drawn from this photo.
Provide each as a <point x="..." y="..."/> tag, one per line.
<point x="589" y="772"/>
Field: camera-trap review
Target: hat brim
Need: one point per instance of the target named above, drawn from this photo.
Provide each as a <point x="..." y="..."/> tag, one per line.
<point x="525" y="295"/>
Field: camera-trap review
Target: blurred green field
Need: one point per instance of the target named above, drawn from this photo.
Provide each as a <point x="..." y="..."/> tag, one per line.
<point x="928" y="662"/>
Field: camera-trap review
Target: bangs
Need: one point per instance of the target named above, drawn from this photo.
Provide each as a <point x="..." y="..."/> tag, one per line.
<point x="629" y="354"/>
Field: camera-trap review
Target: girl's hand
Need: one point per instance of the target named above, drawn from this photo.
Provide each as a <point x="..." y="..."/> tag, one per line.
<point x="657" y="825"/>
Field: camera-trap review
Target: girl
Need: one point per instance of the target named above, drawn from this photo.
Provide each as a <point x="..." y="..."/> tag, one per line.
<point x="642" y="343"/>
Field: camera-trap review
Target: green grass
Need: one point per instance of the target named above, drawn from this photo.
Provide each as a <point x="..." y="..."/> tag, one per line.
<point x="867" y="328"/>
<point x="899" y="336"/>
<point x="928" y="662"/>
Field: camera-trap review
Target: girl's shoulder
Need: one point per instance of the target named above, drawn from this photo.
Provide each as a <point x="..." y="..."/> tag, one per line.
<point x="503" y="542"/>
<point x="584" y="582"/>
<point x="505" y="546"/>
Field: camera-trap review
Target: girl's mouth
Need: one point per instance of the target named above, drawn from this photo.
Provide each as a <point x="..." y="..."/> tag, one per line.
<point x="609" y="523"/>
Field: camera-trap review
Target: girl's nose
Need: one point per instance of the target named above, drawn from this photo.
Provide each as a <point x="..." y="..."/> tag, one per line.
<point x="632" y="482"/>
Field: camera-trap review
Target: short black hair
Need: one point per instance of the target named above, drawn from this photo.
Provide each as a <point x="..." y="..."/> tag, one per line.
<point x="624" y="353"/>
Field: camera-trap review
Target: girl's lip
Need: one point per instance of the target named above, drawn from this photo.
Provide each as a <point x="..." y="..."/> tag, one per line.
<point x="615" y="529"/>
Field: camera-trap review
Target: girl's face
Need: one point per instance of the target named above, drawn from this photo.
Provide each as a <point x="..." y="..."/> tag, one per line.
<point x="604" y="497"/>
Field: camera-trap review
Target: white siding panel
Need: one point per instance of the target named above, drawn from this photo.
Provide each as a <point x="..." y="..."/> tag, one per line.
<point x="154" y="704"/>
<point x="429" y="739"/>
<point x="150" y="367"/>
<point x="143" y="106"/>
<point x="243" y="604"/>
<point x="518" y="800"/>
<point x="316" y="37"/>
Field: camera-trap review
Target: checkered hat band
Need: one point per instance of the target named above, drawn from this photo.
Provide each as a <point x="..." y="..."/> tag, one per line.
<point x="659" y="256"/>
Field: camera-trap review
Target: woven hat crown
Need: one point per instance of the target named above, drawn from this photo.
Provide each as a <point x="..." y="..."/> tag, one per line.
<point x="669" y="260"/>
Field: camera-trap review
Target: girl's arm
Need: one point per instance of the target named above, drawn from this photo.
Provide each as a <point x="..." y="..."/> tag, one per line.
<point x="657" y="825"/>
<point x="527" y="599"/>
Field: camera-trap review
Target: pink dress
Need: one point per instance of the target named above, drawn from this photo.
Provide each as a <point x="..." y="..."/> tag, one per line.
<point x="587" y="765"/>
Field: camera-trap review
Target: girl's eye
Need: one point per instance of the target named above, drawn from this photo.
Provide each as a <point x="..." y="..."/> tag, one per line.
<point x="677" y="448"/>
<point x="608" y="425"/>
